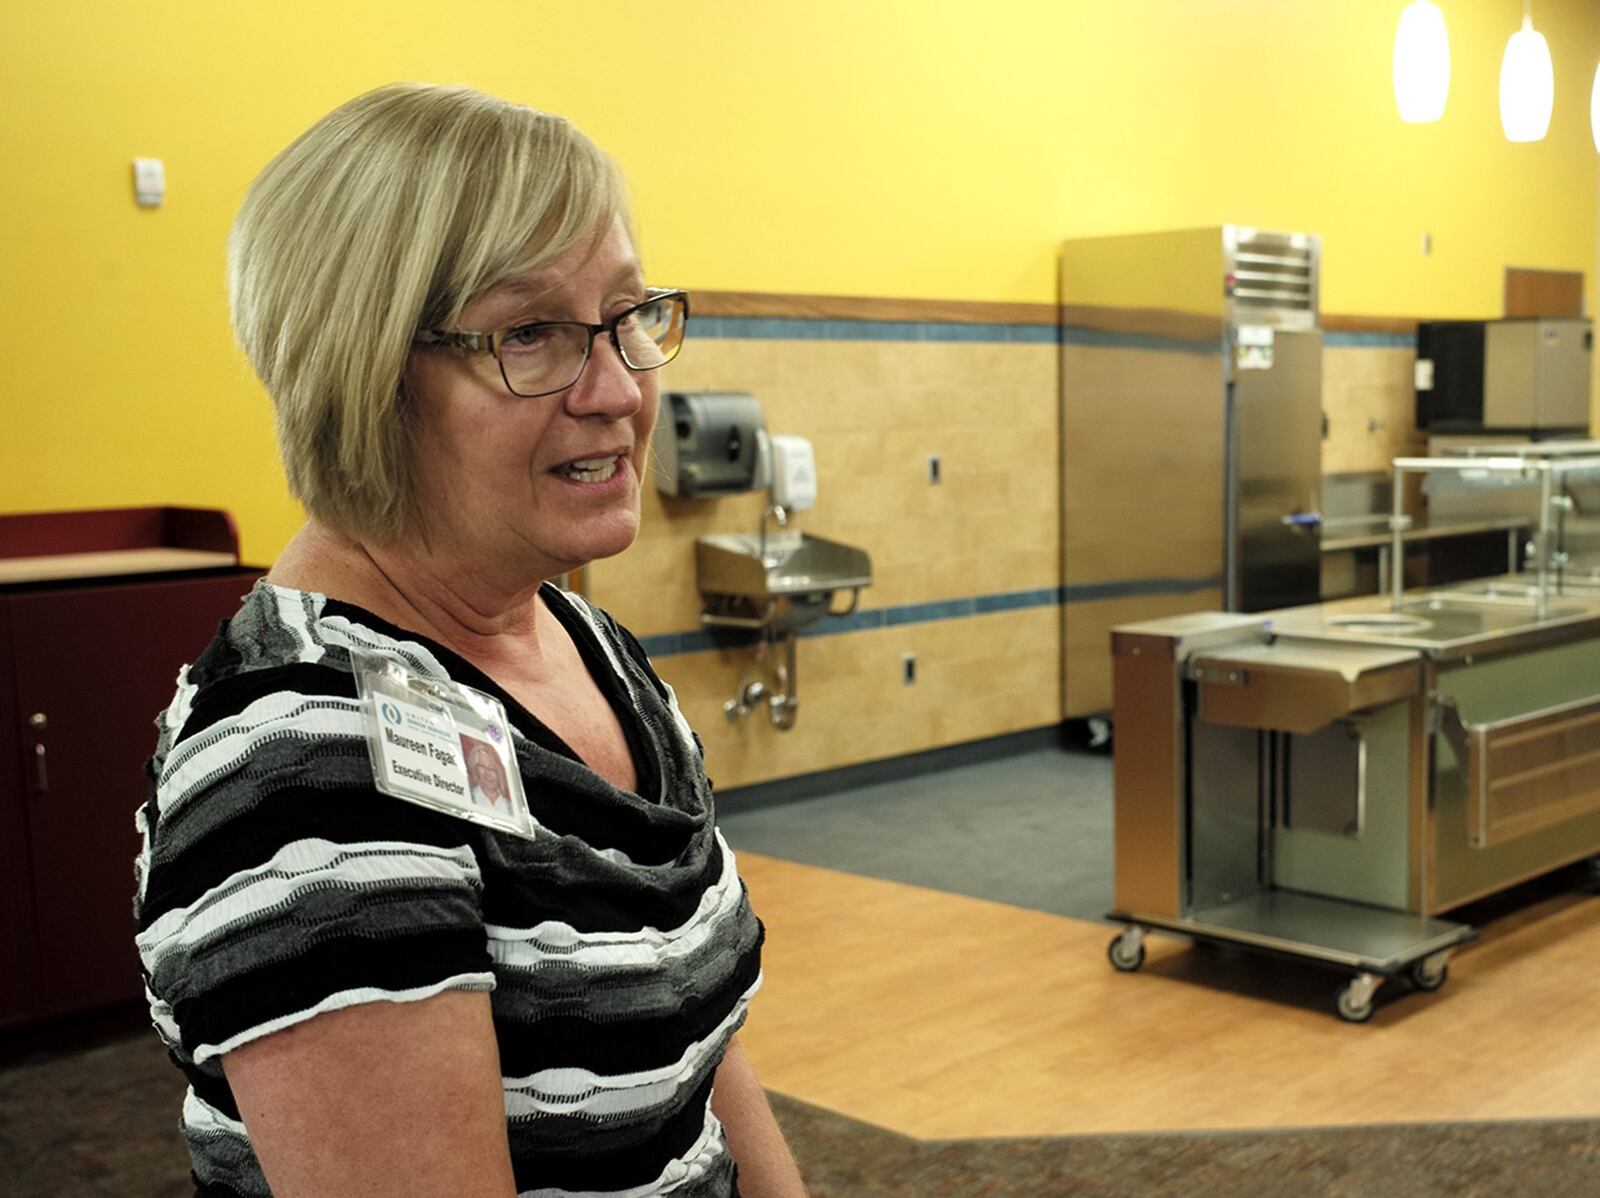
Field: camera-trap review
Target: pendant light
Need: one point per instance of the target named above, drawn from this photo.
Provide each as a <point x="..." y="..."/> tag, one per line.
<point x="1594" y="109"/>
<point x="1421" y="63"/>
<point x="1527" y="83"/>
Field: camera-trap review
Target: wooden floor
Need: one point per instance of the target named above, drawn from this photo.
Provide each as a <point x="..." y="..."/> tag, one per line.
<point x="941" y="1016"/>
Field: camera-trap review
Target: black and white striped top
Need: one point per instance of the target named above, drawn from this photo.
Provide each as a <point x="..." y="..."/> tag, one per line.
<point x="275" y="883"/>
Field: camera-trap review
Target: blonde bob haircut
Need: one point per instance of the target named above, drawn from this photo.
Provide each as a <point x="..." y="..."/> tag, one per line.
<point x="387" y="216"/>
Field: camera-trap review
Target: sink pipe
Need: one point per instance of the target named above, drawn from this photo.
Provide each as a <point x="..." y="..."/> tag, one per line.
<point x="779" y="513"/>
<point x="774" y="682"/>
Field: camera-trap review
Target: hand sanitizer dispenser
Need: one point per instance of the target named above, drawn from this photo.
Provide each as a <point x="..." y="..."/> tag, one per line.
<point x="794" y="472"/>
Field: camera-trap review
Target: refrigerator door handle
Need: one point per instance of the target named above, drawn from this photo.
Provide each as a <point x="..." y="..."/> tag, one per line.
<point x="1303" y="521"/>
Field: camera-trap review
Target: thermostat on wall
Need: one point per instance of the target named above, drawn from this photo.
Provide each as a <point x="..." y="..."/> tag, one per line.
<point x="149" y="182"/>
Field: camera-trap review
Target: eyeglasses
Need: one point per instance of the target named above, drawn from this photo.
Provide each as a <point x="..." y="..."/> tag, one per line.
<point x="547" y="356"/>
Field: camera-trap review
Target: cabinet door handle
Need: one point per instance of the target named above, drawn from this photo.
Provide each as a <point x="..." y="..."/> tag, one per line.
<point x="41" y="776"/>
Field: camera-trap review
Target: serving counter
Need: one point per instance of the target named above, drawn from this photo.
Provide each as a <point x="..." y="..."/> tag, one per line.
<point x="1329" y="782"/>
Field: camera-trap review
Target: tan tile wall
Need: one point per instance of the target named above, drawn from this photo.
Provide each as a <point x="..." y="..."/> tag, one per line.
<point x="874" y="410"/>
<point x="1370" y="401"/>
<point x="976" y="677"/>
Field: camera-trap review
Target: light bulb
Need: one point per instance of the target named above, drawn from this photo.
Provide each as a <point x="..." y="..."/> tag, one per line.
<point x="1527" y="85"/>
<point x="1421" y="63"/>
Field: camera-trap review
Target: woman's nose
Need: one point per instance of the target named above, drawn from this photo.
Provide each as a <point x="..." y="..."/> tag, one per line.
<point x="606" y="387"/>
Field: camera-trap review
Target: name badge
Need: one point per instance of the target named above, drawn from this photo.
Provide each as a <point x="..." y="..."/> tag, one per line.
<point x="441" y="745"/>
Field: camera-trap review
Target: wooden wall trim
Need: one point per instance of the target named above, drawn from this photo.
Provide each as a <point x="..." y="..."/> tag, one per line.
<point x="866" y="307"/>
<point x="869" y="307"/>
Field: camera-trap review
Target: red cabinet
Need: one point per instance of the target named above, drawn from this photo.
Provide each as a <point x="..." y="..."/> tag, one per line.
<point x="86" y="662"/>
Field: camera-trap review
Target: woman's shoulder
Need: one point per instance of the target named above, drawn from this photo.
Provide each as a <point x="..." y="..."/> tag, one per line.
<point x="267" y="646"/>
<point x="275" y="626"/>
<point x="263" y="755"/>
<point x="287" y="643"/>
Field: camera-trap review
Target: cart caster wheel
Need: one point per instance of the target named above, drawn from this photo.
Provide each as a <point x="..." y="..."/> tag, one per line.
<point x="1429" y="973"/>
<point x="1352" y="1008"/>
<point x="1126" y="950"/>
<point x="1354" y="1001"/>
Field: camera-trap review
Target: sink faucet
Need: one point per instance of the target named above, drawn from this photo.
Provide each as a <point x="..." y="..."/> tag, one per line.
<point x="779" y="513"/>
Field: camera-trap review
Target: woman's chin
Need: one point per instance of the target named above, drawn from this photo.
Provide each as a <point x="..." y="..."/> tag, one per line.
<point x="600" y="543"/>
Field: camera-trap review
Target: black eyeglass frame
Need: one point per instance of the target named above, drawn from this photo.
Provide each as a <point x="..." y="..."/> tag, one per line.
<point x="491" y="342"/>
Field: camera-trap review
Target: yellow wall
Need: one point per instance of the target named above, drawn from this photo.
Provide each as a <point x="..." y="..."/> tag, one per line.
<point x="900" y="147"/>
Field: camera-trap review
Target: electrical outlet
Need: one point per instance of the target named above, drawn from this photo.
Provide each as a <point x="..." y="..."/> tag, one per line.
<point x="908" y="668"/>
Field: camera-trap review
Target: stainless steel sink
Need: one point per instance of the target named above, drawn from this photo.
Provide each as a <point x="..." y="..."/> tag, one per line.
<point x="735" y="564"/>
<point x="1379" y="622"/>
<point x="785" y="581"/>
<point x="1444" y="624"/>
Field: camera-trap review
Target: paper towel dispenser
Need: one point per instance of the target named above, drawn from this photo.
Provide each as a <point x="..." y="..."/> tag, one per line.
<point x="706" y="443"/>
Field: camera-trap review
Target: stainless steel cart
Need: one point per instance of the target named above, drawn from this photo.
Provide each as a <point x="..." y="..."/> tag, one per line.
<point x="1326" y="782"/>
<point x="1263" y="799"/>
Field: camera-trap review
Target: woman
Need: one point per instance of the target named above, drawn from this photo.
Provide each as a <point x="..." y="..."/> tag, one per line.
<point x="369" y="988"/>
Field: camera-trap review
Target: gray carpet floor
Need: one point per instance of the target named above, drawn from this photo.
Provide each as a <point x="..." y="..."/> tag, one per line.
<point x="843" y="1159"/>
<point x="1032" y="830"/>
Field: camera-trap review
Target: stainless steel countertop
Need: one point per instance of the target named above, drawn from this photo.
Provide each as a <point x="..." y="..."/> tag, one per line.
<point x="1423" y="532"/>
<point x="1488" y="616"/>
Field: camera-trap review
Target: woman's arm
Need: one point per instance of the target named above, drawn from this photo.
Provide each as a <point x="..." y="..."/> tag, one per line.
<point x="379" y="1099"/>
<point x="766" y="1168"/>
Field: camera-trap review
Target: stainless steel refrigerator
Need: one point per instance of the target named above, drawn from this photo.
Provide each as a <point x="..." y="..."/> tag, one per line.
<point x="1191" y="401"/>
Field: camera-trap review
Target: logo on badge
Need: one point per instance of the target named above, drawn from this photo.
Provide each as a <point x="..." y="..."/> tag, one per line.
<point x="390" y="712"/>
<point x="492" y="731"/>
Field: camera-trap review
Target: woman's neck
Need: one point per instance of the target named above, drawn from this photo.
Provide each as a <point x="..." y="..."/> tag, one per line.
<point x="484" y="618"/>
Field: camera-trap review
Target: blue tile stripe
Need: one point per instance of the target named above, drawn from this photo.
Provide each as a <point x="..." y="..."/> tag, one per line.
<point x="794" y="328"/>
<point x="1091" y="592"/>
<point x="669" y="644"/>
